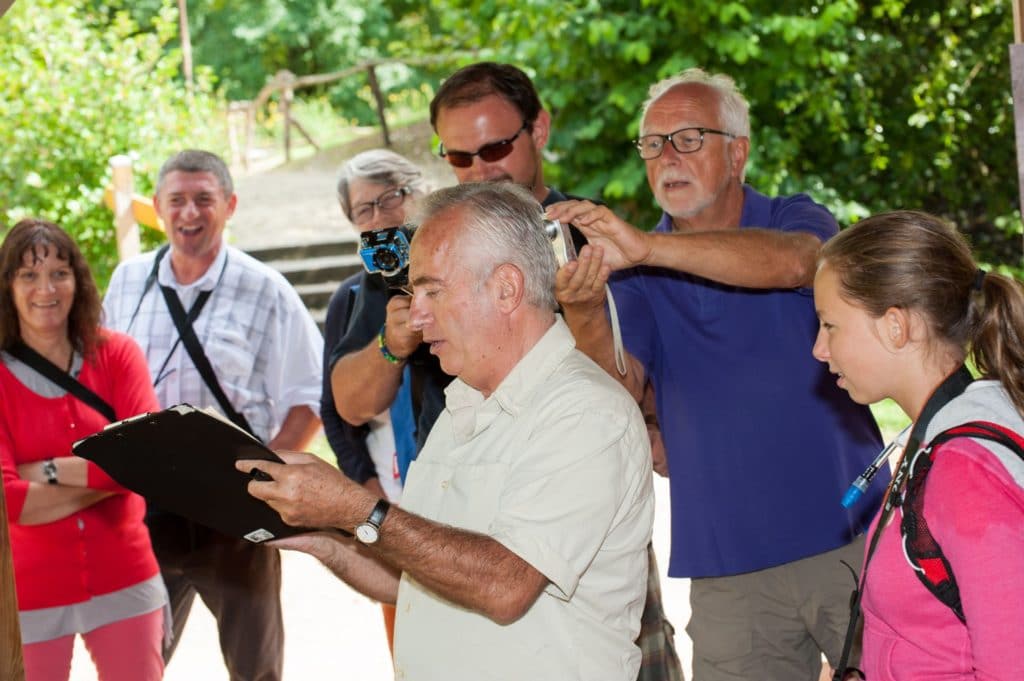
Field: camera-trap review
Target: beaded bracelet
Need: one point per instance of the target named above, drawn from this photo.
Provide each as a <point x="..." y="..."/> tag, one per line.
<point x="384" y="348"/>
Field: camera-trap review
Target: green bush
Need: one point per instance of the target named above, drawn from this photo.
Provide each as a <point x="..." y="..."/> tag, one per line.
<point x="77" y="87"/>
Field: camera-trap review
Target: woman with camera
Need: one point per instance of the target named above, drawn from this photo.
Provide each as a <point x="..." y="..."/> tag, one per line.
<point x="366" y="405"/>
<point x="83" y="564"/>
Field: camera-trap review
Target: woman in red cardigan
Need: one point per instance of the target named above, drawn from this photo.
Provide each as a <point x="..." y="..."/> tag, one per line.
<point x="83" y="563"/>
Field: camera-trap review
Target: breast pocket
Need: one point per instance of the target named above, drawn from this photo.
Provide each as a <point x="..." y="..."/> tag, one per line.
<point x="231" y="356"/>
<point x="467" y="496"/>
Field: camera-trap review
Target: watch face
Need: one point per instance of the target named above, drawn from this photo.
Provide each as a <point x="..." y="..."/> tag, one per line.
<point x="367" y="533"/>
<point x="50" y="471"/>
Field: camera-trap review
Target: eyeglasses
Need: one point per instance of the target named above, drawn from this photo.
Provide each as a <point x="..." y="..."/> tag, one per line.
<point x="489" y="153"/>
<point x="684" y="140"/>
<point x="389" y="200"/>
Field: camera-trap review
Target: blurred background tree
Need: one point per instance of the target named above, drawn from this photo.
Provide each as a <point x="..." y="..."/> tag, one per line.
<point x="77" y="87"/>
<point x="867" y="106"/>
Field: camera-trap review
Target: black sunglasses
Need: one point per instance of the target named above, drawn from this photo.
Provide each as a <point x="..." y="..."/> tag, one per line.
<point x="489" y="153"/>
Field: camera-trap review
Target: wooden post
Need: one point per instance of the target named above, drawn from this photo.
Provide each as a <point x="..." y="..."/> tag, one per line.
<point x="238" y="117"/>
<point x="287" y="95"/>
<point x="378" y="96"/>
<point x="186" y="46"/>
<point x="1017" y="81"/>
<point x="250" y="132"/>
<point x="128" y="240"/>
<point x="11" y="664"/>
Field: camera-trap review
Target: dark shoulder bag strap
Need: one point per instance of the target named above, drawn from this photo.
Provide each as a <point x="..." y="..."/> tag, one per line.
<point x="150" y="280"/>
<point x="49" y="370"/>
<point x="195" y="351"/>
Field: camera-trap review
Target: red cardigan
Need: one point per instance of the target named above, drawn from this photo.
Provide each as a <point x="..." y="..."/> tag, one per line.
<point x="102" y="548"/>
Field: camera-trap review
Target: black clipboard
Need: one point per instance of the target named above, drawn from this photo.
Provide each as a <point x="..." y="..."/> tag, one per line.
<point x="182" y="460"/>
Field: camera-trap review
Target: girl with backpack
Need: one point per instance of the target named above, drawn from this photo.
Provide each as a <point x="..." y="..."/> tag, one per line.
<point x="902" y="306"/>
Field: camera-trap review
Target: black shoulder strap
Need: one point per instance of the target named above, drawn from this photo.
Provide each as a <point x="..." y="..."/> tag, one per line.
<point x="188" y="336"/>
<point x="49" y="370"/>
<point x="150" y="280"/>
<point x="923" y="552"/>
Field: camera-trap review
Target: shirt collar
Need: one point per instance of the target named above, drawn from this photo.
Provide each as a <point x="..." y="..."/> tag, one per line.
<point x="472" y="413"/>
<point x="207" y="282"/>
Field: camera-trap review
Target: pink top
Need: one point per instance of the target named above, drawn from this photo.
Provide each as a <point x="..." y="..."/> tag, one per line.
<point x="102" y="548"/>
<point x="975" y="511"/>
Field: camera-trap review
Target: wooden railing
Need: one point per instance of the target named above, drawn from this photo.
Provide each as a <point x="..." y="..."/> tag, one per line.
<point x="285" y="83"/>
<point x="130" y="209"/>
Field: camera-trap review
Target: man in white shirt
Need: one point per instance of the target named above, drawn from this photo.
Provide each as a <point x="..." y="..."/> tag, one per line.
<point x="263" y="354"/>
<point x="520" y="550"/>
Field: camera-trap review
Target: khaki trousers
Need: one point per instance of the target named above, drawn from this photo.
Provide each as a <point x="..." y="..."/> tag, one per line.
<point x="774" y="624"/>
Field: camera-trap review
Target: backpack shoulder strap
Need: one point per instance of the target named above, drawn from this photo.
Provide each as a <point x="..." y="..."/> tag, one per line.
<point x="924" y="553"/>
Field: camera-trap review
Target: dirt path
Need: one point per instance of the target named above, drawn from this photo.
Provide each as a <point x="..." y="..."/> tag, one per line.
<point x="296" y="203"/>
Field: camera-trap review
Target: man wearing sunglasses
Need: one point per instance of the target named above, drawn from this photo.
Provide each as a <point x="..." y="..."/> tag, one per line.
<point x="716" y="312"/>
<point x="492" y="128"/>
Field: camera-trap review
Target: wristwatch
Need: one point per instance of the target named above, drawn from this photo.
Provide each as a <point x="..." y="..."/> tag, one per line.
<point x="368" y="531"/>
<point x="50" y="471"/>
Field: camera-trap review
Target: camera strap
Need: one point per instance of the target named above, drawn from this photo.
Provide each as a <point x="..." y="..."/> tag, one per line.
<point x="952" y="387"/>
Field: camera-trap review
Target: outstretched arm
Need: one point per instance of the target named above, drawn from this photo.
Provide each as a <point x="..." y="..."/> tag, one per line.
<point x="350" y="561"/>
<point x="467" y="568"/>
<point x="751" y="257"/>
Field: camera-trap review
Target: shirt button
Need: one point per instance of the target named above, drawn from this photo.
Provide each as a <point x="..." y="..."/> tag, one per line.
<point x="444" y="484"/>
<point x="72" y="425"/>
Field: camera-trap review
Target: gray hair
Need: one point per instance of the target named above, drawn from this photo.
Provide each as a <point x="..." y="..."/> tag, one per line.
<point x="732" y="105"/>
<point x="379" y="166"/>
<point x="198" y="161"/>
<point x="505" y="225"/>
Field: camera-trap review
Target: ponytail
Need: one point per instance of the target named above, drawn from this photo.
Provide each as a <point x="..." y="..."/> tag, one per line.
<point x="997" y="346"/>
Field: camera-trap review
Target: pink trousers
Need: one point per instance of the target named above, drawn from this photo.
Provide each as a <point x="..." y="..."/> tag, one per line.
<point x="127" y="650"/>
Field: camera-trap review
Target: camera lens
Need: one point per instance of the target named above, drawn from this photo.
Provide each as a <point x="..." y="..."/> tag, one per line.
<point x="386" y="260"/>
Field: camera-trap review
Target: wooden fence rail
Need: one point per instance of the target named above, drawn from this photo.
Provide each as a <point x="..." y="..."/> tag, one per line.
<point x="285" y="83"/>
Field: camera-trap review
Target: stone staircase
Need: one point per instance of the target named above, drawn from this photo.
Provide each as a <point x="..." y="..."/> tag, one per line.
<point x="314" y="269"/>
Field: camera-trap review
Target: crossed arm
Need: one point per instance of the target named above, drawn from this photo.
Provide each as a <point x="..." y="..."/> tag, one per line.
<point x="45" y="503"/>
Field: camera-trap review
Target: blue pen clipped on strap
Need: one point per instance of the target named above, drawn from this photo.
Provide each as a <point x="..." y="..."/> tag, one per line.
<point x="860" y="485"/>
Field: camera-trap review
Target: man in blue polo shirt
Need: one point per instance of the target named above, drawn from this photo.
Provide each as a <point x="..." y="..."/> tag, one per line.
<point x="718" y="318"/>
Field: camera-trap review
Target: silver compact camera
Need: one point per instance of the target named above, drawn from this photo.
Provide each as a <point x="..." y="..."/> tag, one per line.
<point x="561" y="241"/>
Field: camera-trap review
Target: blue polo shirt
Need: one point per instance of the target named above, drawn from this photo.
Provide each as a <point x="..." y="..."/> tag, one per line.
<point x="761" y="443"/>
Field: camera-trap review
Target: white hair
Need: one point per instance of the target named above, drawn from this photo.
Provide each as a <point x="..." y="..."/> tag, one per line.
<point x="732" y="106"/>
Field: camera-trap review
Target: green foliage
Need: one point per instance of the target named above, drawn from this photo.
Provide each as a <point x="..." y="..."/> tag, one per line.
<point x="866" y="106"/>
<point x="78" y="86"/>
<point x="246" y="44"/>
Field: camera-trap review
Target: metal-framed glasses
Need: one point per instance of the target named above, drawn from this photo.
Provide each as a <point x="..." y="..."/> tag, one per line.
<point x="489" y="153"/>
<point x="684" y="140"/>
<point x="389" y="200"/>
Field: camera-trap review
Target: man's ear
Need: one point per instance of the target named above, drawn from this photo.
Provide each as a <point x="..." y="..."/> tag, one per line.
<point x="541" y="129"/>
<point x="232" y="204"/>
<point x="739" y="152"/>
<point x="510" y="286"/>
